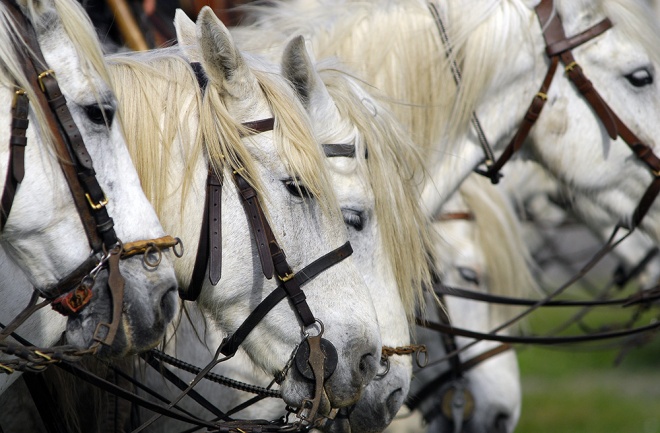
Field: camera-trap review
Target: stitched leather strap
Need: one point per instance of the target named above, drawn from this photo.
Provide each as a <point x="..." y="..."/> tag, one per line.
<point x="260" y="227"/>
<point x="17" y="143"/>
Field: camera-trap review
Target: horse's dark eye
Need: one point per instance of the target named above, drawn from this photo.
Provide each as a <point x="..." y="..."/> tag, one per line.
<point x="640" y="78"/>
<point x="297" y="189"/>
<point x="353" y="218"/>
<point x="468" y="274"/>
<point x="99" y="115"/>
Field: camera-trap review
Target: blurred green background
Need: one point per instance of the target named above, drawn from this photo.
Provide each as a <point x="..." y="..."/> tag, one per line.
<point x="579" y="389"/>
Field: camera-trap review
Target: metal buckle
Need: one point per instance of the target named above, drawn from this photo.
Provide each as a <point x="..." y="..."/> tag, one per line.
<point x="542" y="95"/>
<point x="571" y="66"/>
<point x="41" y="76"/>
<point x="17" y="93"/>
<point x="99" y="205"/>
<point x="286" y="277"/>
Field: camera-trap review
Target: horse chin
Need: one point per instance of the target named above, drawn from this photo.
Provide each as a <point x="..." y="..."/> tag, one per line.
<point x="145" y="313"/>
<point x="378" y="406"/>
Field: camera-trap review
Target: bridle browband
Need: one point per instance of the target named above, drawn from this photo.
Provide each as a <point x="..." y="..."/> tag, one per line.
<point x="73" y="292"/>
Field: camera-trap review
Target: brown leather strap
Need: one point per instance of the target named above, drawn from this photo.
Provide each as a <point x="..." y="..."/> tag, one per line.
<point x="557" y="43"/>
<point x="116" y="288"/>
<point x="215" y="227"/>
<point x="17" y="143"/>
<point x="262" y="125"/>
<point x="567" y="44"/>
<point x="531" y="115"/>
<point x="455" y="216"/>
<point x="260" y="227"/>
<point x="191" y="293"/>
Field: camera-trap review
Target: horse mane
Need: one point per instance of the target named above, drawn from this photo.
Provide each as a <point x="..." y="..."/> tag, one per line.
<point x="156" y="89"/>
<point x="74" y="20"/>
<point x="638" y="22"/>
<point x="499" y="238"/>
<point x="394" y="171"/>
<point x="378" y="37"/>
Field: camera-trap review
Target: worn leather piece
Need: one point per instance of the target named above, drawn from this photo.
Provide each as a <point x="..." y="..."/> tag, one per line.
<point x="17" y="143"/>
<point x="116" y="288"/>
<point x="260" y="227"/>
<point x="215" y="227"/>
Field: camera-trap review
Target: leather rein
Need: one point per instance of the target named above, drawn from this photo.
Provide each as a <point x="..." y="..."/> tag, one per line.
<point x="74" y="291"/>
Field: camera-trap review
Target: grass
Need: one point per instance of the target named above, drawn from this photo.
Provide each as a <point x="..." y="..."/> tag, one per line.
<point x="578" y="389"/>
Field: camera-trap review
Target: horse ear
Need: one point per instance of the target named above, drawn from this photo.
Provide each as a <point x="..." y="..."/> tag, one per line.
<point x="221" y="58"/>
<point x="186" y="35"/>
<point x="298" y="68"/>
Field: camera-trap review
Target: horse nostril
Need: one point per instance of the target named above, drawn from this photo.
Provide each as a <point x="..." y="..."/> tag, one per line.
<point x="168" y="303"/>
<point x="368" y="366"/>
<point x="500" y="424"/>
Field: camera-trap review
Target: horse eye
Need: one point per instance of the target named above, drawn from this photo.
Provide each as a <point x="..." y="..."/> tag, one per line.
<point x="468" y="274"/>
<point x="640" y="78"/>
<point x="353" y="218"/>
<point x="100" y="115"/>
<point x="296" y="189"/>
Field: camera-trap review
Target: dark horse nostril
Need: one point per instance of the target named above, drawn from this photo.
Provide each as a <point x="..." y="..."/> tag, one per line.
<point x="500" y="424"/>
<point x="368" y="365"/>
<point x="168" y="304"/>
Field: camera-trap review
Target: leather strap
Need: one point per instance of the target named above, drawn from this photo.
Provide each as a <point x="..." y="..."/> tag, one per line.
<point x="533" y="339"/>
<point x="230" y="344"/>
<point x="260" y="228"/>
<point x="531" y="115"/>
<point x="17" y="143"/>
<point x="455" y="216"/>
<point x="262" y="125"/>
<point x="647" y="295"/>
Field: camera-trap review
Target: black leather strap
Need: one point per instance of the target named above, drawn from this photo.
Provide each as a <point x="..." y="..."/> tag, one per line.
<point x="308" y="273"/>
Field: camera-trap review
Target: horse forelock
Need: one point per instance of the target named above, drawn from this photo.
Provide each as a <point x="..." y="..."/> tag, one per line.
<point x="394" y="171"/>
<point x="295" y="141"/>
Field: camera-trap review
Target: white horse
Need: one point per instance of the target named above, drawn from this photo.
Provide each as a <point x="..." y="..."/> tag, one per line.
<point x="501" y="53"/>
<point x="545" y="205"/>
<point x="43" y="234"/>
<point x="159" y="92"/>
<point x="483" y="251"/>
<point x="371" y="170"/>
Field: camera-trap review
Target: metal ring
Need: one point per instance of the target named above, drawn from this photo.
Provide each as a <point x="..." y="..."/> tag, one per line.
<point x="306" y="334"/>
<point x="422" y="349"/>
<point x="152" y="248"/>
<point x="386" y="363"/>
<point x="179" y="253"/>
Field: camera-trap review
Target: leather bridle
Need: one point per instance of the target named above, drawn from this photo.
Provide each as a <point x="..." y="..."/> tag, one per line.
<point x="559" y="49"/>
<point x="72" y="292"/>
<point x="316" y="357"/>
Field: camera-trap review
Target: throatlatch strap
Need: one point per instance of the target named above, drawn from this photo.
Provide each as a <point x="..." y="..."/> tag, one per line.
<point x="302" y="277"/>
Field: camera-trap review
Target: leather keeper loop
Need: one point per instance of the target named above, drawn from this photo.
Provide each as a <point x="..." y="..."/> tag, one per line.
<point x="18" y="141"/>
<point x="20" y="123"/>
